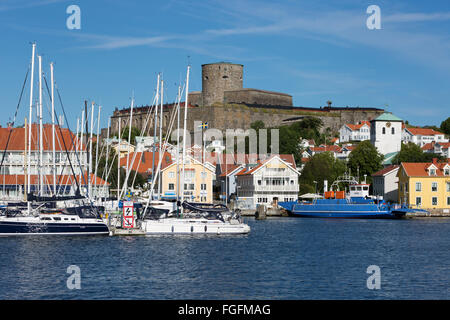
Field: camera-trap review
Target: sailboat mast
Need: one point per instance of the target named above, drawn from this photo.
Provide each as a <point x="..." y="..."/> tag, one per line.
<point x="118" y="165"/>
<point x="184" y="133"/>
<point x="90" y="152"/>
<point x="53" y="128"/>
<point x="178" y="142"/>
<point x="160" y="135"/>
<point x="41" y="133"/>
<point x="154" y="133"/>
<point x="81" y="145"/>
<point x="96" y="148"/>
<point x="30" y="118"/>
<point x="129" y="142"/>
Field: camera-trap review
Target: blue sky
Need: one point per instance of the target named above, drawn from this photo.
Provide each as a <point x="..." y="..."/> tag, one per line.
<point x="314" y="50"/>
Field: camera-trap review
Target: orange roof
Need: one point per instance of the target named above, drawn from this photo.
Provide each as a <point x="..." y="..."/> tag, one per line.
<point x="324" y="148"/>
<point x="419" y="169"/>
<point x="358" y="126"/>
<point x="428" y="146"/>
<point x="423" y="131"/>
<point x="48" y="179"/>
<point x="144" y="160"/>
<point x="17" y="139"/>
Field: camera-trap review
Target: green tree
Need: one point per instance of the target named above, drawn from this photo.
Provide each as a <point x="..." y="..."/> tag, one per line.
<point x="365" y="160"/>
<point x="411" y="152"/>
<point x="134" y="132"/>
<point x="321" y="166"/>
<point x="445" y="126"/>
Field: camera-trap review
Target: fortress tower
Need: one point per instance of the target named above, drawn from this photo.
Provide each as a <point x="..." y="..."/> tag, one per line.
<point x="222" y="82"/>
<point x="218" y="78"/>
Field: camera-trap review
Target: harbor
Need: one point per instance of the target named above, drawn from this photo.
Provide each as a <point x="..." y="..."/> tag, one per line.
<point x="232" y="154"/>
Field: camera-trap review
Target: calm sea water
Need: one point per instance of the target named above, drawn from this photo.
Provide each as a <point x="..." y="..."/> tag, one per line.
<point x="282" y="258"/>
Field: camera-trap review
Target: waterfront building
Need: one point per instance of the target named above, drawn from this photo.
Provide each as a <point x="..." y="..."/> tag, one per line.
<point x="425" y="185"/>
<point x="385" y="183"/>
<point x="14" y="160"/>
<point x="268" y="182"/>
<point x="422" y="136"/>
<point x="227" y="180"/>
<point x="355" y="132"/>
<point x="144" y="143"/>
<point x="198" y="181"/>
<point x="124" y="147"/>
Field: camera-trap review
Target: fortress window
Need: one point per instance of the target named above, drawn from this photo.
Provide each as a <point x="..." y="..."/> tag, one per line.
<point x="225" y="77"/>
<point x="206" y="77"/>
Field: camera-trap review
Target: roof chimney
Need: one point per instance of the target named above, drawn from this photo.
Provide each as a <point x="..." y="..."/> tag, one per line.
<point x="434" y="160"/>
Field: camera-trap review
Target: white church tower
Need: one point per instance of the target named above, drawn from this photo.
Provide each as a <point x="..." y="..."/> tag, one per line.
<point x="386" y="134"/>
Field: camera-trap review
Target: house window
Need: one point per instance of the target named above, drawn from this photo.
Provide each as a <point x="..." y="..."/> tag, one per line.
<point x="203" y="186"/>
<point x="448" y="186"/>
<point x="171" y="174"/>
<point x="393" y="130"/>
<point x="446" y="172"/>
<point x="434" y="186"/>
<point x="203" y="175"/>
<point x="418" y="186"/>
<point x="418" y="201"/>
<point x="434" y="201"/>
<point x="432" y="172"/>
<point x="448" y="201"/>
<point x="259" y="182"/>
<point x="384" y="130"/>
<point x="171" y="186"/>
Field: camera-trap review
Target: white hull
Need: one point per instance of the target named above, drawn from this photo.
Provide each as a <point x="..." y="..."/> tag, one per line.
<point x="193" y="226"/>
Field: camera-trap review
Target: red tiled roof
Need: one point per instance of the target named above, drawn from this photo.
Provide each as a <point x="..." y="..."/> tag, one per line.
<point x="289" y="158"/>
<point x="17" y="140"/>
<point x="428" y="146"/>
<point x="423" y="131"/>
<point x="48" y="179"/>
<point x="419" y="169"/>
<point x="388" y="169"/>
<point x="144" y="160"/>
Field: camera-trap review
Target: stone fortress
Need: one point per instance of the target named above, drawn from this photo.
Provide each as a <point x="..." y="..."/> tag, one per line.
<point x="225" y="104"/>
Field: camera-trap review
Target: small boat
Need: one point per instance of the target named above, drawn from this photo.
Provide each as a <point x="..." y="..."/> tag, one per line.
<point x="192" y="221"/>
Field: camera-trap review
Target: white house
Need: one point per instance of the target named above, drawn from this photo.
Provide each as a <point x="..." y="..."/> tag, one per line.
<point x="386" y="134"/>
<point x="385" y="183"/>
<point x="440" y="148"/>
<point x="355" y="132"/>
<point x="422" y="136"/>
<point x="268" y="182"/>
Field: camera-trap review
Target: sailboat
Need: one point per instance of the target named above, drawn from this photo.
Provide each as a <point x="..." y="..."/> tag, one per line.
<point x="187" y="218"/>
<point x="39" y="214"/>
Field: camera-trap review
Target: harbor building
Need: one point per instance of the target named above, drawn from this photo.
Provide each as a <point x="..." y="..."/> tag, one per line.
<point x="13" y="163"/>
<point x="425" y="185"/>
<point x="385" y="183"/>
<point x="198" y="181"/>
<point x="268" y="182"/>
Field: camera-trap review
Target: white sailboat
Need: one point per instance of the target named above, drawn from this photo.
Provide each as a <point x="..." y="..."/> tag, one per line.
<point x="159" y="219"/>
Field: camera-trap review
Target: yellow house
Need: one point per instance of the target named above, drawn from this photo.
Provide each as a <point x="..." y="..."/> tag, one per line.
<point x="425" y="185"/>
<point x="198" y="181"/>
